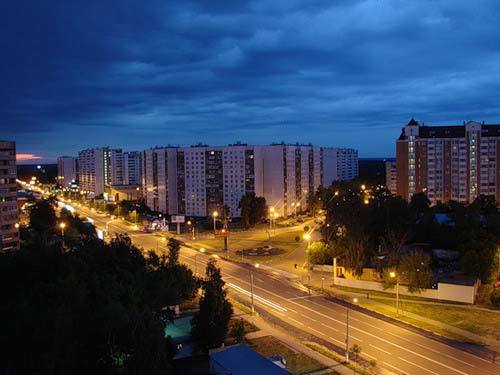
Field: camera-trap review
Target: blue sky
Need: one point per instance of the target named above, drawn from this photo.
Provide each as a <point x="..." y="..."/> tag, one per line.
<point x="130" y="74"/>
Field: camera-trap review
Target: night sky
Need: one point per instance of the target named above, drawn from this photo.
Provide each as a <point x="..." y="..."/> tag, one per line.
<point x="135" y="74"/>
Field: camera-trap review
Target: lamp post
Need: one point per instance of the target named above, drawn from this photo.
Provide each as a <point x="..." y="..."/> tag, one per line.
<point x="191" y="225"/>
<point x="354" y="300"/>
<point x="307" y="237"/>
<point x="393" y="275"/>
<point x="215" y="214"/>
<point x="62" y="226"/>
<point x="271" y="216"/>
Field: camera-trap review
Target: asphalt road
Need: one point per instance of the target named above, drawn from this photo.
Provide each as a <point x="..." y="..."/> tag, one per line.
<point x="395" y="348"/>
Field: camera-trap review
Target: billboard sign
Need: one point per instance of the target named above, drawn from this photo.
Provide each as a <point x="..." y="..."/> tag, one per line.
<point x="177" y="219"/>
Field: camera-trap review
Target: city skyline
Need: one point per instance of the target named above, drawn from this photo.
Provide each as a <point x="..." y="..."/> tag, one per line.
<point x="345" y="75"/>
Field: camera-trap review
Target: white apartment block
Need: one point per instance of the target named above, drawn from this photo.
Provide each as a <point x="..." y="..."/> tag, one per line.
<point x="66" y="170"/>
<point x="131" y="168"/>
<point x="195" y="181"/>
<point x="9" y="232"/>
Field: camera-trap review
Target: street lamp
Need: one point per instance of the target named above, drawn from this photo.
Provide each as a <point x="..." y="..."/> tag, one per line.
<point x="271" y="215"/>
<point x="62" y="226"/>
<point x="307" y="237"/>
<point x="215" y="214"/>
<point x="354" y="300"/>
<point x="16" y="225"/>
<point x="394" y="275"/>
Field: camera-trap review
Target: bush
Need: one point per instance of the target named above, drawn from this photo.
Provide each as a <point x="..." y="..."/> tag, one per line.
<point x="495" y="297"/>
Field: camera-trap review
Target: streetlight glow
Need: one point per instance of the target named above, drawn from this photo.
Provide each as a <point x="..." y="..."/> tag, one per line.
<point x="392" y="274"/>
<point x="215" y="214"/>
<point x="62" y="225"/>
<point x="307" y="236"/>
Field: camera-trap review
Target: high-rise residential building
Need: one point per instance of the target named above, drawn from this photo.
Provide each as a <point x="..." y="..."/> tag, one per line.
<point x="67" y="168"/>
<point x="9" y="227"/>
<point x="391" y="176"/>
<point x="132" y="168"/>
<point x="195" y="181"/>
<point x="94" y="170"/>
<point x="457" y="162"/>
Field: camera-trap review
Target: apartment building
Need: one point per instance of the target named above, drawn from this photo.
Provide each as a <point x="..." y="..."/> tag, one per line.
<point x="67" y="170"/>
<point x="9" y="228"/>
<point x="457" y="162"/>
<point x="195" y="181"/>
<point x="131" y="168"/>
<point x="391" y="176"/>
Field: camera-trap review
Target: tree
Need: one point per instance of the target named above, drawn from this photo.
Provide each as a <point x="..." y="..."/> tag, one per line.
<point x="253" y="209"/>
<point x="320" y="253"/>
<point x="495" y="297"/>
<point x="238" y="330"/>
<point x="356" y="350"/>
<point x="397" y="227"/>
<point x="415" y="269"/>
<point x="419" y="204"/>
<point x="43" y="220"/>
<point x="210" y="324"/>
<point x="100" y="309"/>
<point x="174" y="247"/>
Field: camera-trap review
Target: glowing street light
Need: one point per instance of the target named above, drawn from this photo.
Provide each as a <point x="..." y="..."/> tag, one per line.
<point x="393" y="275"/>
<point x="16" y="225"/>
<point x="363" y="187"/>
<point x="215" y="214"/>
<point x="354" y="300"/>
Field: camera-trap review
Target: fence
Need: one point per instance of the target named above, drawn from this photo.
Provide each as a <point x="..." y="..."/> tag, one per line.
<point x="444" y="291"/>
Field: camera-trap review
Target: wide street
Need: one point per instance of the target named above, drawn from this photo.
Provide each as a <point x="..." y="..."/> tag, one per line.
<point x="395" y="348"/>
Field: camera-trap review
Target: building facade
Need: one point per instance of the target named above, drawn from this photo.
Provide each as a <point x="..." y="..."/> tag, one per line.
<point x="457" y="162"/>
<point x="196" y="181"/>
<point x="132" y="168"/>
<point x="67" y="170"/>
<point x="9" y="228"/>
<point x="391" y="176"/>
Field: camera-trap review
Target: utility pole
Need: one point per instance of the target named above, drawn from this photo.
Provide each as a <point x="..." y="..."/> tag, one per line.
<point x="347" y="337"/>
<point x="251" y="291"/>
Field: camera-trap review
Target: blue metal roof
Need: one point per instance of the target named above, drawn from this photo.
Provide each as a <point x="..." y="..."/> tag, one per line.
<point x="242" y="360"/>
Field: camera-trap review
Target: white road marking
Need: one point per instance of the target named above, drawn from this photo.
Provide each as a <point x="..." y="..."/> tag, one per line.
<point x="369" y="356"/>
<point x="355" y="338"/>
<point x="300" y="297"/>
<point x="397" y="369"/>
<point x="296" y="321"/>
<point x="340" y="342"/>
<point x="258" y="298"/>
<point x="420" y="367"/>
<point x="459" y="360"/>
<point x="330" y="327"/>
<point x="318" y="332"/>
<point x="382" y="350"/>
<point x="308" y="317"/>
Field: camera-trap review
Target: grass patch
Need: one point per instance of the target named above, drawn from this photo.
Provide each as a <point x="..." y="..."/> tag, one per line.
<point x="240" y="306"/>
<point x="248" y="327"/>
<point x="371" y="367"/>
<point x="296" y="363"/>
<point x="252" y="239"/>
<point x="479" y="322"/>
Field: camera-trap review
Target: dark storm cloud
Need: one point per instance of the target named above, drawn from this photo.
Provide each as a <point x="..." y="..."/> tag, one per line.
<point x="138" y="74"/>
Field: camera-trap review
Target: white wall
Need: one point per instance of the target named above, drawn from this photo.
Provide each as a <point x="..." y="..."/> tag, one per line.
<point x="448" y="292"/>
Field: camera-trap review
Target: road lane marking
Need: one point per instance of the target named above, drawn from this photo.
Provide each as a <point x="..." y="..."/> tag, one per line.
<point x="318" y="332"/>
<point x="340" y="342"/>
<point x="307" y="317"/>
<point x="354" y="337"/>
<point x="397" y="369"/>
<point x="300" y="297"/>
<point x="420" y="367"/>
<point x="475" y="356"/>
<point x="360" y="330"/>
<point x="459" y="360"/>
<point x="258" y="298"/>
<point x="330" y="327"/>
<point x="388" y="342"/>
<point x="382" y="350"/>
<point x="369" y="356"/>
<point x="296" y="321"/>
